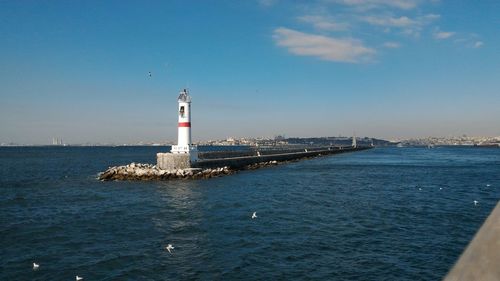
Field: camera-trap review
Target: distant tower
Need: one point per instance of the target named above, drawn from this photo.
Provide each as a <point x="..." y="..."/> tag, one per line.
<point x="354" y="145"/>
<point x="184" y="144"/>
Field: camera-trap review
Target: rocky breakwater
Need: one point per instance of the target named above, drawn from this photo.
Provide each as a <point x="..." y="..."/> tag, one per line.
<point x="135" y="171"/>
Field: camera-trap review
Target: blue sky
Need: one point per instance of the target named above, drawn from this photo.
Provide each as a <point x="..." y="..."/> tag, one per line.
<point x="78" y="70"/>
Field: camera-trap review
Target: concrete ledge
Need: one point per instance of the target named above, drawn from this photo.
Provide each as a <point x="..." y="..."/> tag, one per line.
<point x="481" y="259"/>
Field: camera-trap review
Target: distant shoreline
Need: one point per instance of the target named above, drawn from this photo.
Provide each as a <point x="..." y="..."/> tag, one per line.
<point x="225" y="145"/>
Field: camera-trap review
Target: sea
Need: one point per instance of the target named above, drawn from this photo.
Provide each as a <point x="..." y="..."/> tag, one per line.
<point x="380" y="214"/>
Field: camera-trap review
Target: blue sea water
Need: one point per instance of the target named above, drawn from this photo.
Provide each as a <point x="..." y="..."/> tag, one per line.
<point x="381" y="214"/>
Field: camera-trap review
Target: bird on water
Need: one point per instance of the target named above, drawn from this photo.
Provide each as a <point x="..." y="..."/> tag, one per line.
<point x="35" y="266"/>
<point x="476" y="202"/>
<point x="169" y="248"/>
<point x="78" y="278"/>
<point x="254" y="215"/>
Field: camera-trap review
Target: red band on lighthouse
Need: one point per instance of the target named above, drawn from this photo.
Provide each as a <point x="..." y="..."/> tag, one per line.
<point x="184" y="124"/>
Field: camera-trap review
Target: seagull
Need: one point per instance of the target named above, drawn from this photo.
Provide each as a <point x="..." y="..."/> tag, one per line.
<point x="169" y="248"/>
<point x="78" y="278"/>
<point x="475" y="202"/>
<point x="254" y="215"/>
<point x="487" y="185"/>
<point x="419" y="188"/>
<point x="440" y="188"/>
<point x="35" y="266"/>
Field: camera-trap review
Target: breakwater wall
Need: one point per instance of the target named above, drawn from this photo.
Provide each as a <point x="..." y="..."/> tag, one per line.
<point x="241" y="162"/>
<point x="256" y="151"/>
<point x="216" y="167"/>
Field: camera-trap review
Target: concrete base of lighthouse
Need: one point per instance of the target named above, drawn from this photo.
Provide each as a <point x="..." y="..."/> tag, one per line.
<point x="181" y="157"/>
<point x="173" y="161"/>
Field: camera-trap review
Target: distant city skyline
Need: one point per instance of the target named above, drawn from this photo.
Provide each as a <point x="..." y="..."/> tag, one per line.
<point x="110" y="71"/>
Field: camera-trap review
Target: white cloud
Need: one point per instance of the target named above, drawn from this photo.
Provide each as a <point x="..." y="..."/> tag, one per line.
<point x="470" y="40"/>
<point x="431" y="17"/>
<point x="374" y="4"/>
<point x="403" y="21"/>
<point x="443" y="35"/>
<point x="392" y="45"/>
<point x="324" y="23"/>
<point x="389" y="21"/>
<point x="407" y="26"/>
<point x="478" y="44"/>
<point x="323" y="47"/>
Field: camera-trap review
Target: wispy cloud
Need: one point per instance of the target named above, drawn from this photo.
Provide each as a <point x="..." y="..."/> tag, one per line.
<point x="440" y="35"/>
<point x="478" y="44"/>
<point x="326" y="48"/>
<point x="375" y="4"/>
<point x="324" y="23"/>
<point x="389" y="21"/>
<point x="408" y="26"/>
<point x="402" y="21"/>
<point x="468" y="40"/>
<point x="337" y="30"/>
<point x="391" y="45"/>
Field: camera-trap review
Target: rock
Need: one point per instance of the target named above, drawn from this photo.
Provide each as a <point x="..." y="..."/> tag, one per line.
<point x="138" y="171"/>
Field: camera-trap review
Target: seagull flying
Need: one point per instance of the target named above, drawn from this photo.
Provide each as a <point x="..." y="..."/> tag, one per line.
<point x="475" y="202"/>
<point x="254" y="215"/>
<point x="78" y="278"/>
<point x="35" y="266"/>
<point x="169" y="248"/>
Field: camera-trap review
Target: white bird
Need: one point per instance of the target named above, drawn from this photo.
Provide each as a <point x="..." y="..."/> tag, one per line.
<point x="475" y="202"/>
<point x="78" y="278"/>
<point x="254" y="215"/>
<point x="36" y="266"/>
<point x="487" y="185"/>
<point x="169" y="248"/>
<point x="419" y="188"/>
<point x="440" y="188"/>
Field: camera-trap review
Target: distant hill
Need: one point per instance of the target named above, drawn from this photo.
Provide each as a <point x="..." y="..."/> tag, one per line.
<point x="338" y="141"/>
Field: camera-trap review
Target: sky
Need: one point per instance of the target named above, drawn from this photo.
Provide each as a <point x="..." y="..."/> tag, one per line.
<point x="392" y="69"/>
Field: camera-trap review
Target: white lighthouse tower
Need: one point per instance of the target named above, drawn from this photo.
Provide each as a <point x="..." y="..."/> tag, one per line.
<point x="184" y="144"/>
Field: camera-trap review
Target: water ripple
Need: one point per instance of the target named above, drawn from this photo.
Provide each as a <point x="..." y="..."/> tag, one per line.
<point x="383" y="214"/>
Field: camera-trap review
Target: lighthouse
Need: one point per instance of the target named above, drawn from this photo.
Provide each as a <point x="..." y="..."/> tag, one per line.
<point x="184" y="144"/>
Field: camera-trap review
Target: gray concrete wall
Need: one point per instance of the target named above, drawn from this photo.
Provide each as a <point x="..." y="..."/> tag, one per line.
<point x="170" y="161"/>
<point x="481" y="259"/>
